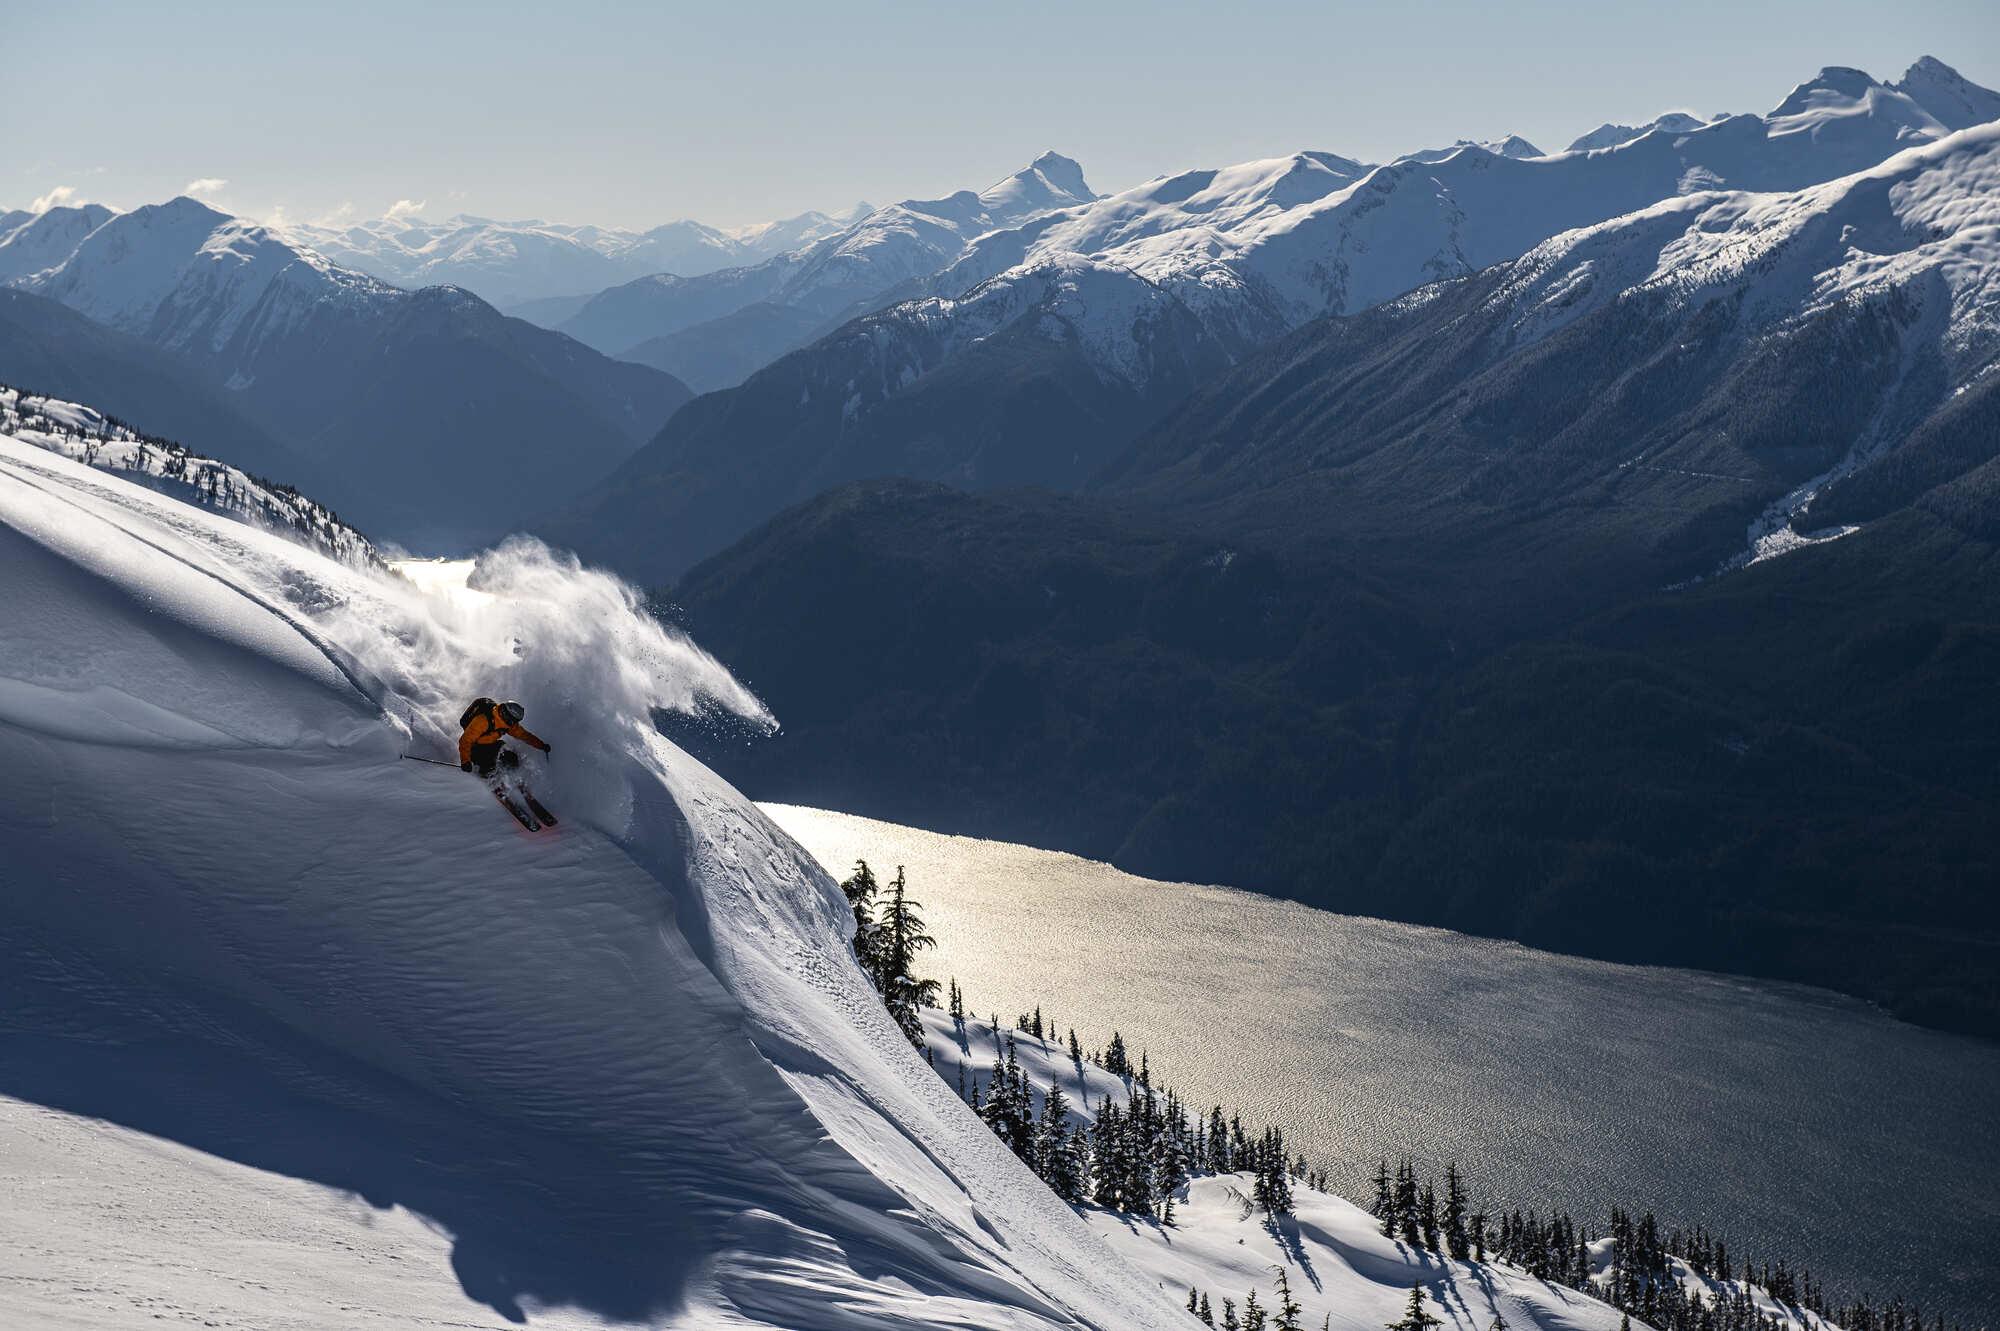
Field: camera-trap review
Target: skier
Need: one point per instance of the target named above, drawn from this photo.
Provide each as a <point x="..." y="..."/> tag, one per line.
<point x="482" y="748"/>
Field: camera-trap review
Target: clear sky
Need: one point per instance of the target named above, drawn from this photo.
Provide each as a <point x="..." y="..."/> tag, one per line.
<point x="633" y="114"/>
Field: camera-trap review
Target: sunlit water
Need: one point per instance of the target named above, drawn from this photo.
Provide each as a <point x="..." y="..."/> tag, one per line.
<point x="1796" y="1123"/>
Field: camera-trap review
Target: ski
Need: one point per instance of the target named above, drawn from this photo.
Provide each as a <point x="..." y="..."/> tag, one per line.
<point x="521" y="815"/>
<point x="535" y="807"/>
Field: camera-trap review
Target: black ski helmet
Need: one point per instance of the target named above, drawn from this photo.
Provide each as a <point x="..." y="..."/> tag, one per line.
<point x="513" y="711"/>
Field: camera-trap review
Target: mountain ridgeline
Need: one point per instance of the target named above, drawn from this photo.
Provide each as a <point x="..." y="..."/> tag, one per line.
<point x="971" y="345"/>
<point x="426" y="416"/>
<point x="1632" y="597"/>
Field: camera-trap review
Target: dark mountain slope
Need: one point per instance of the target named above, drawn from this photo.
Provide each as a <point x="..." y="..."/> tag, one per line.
<point x="446" y="422"/>
<point x="722" y="353"/>
<point x="427" y="417"/>
<point x="1042" y="668"/>
<point x="1791" y="771"/>
<point x="50" y="348"/>
<point x="1008" y="391"/>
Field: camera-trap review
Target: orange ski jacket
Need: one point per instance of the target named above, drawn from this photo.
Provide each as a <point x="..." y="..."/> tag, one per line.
<point x="489" y="727"/>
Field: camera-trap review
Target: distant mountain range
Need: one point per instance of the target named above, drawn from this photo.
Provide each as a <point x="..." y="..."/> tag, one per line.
<point x="426" y="417"/>
<point x="815" y="289"/>
<point x="1626" y="405"/>
<point x="532" y="263"/>
<point x="1164" y="279"/>
<point x="1632" y="594"/>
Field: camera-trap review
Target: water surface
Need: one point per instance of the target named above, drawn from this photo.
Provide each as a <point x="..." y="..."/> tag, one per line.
<point x="1796" y="1122"/>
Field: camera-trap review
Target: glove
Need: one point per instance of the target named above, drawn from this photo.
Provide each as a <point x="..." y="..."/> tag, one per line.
<point x="548" y="748"/>
<point x="465" y="767"/>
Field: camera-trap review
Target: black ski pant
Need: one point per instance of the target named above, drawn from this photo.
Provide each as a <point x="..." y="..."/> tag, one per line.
<point x="487" y="757"/>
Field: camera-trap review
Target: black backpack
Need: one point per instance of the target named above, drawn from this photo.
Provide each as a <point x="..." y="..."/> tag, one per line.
<point x="486" y="705"/>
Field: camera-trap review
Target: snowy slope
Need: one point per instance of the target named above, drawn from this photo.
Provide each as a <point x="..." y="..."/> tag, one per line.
<point x="86" y="435"/>
<point x="1318" y="234"/>
<point x="1926" y="220"/>
<point x="1343" y="1271"/>
<point x="840" y="273"/>
<point x="1513" y="145"/>
<point x="189" y="278"/>
<point x="43" y="240"/>
<point x="1610" y="136"/>
<point x="626" y="1070"/>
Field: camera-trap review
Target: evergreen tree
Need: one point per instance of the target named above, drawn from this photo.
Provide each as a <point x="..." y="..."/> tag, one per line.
<point x="957" y="1007"/>
<point x="1194" y="1300"/>
<point x="1115" y="1061"/>
<point x="869" y="939"/>
<point x="903" y="936"/>
<point x="1075" y="1050"/>
<point x="1416" y="1317"/>
<point x="1207" y="1313"/>
<point x="1218" y="1143"/>
<point x="1287" y="1311"/>
<point x="1254" y="1316"/>
<point x="1058" y="1154"/>
<point x="1272" y="1190"/>
<point x="1009" y="1107"/>
<point x="1430" y="1218"/>
<point x="1384" y="1208"/>
<point x="1457" y="1240"/>
<point x="1229" y="1322"/>
<point x="1407" y="1213"/>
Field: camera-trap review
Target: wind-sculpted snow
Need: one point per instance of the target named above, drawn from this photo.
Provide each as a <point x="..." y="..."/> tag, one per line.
<point x="628" y="1067"/>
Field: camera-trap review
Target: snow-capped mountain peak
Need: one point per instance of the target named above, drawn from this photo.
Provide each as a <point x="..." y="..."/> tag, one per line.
<point x="1925" y="223"/>
<point x="1823" y="104"/>
<point x="1952" y="99"/>
<point x="39" y="241"/>
<point x="201" y="271"/>
<point x="1050" y="181"/>
<point x="1512" y="145"/>
<point x="1610" y="135"/>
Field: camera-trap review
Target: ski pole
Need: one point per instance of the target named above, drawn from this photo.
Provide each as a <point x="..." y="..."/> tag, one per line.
<point x="432" y="761"/>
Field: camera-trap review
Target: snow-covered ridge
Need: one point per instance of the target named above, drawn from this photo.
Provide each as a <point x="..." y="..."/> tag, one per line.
<point x="191" y="278"/>
<point x="634" y="1058"/>
<point x="32" y="242"/>
<point x="1263" y="246"/>
<point x="88" y="436"/>
<point x="1324" y="234"/>
<point x="913" y="239"/>
<point x="1925" y="222"/>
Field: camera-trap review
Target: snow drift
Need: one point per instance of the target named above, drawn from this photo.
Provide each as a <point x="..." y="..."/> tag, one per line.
<point x="628" y="1068"/>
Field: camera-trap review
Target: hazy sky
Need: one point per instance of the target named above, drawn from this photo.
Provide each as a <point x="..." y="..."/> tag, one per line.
<point x="632" y="114"/>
